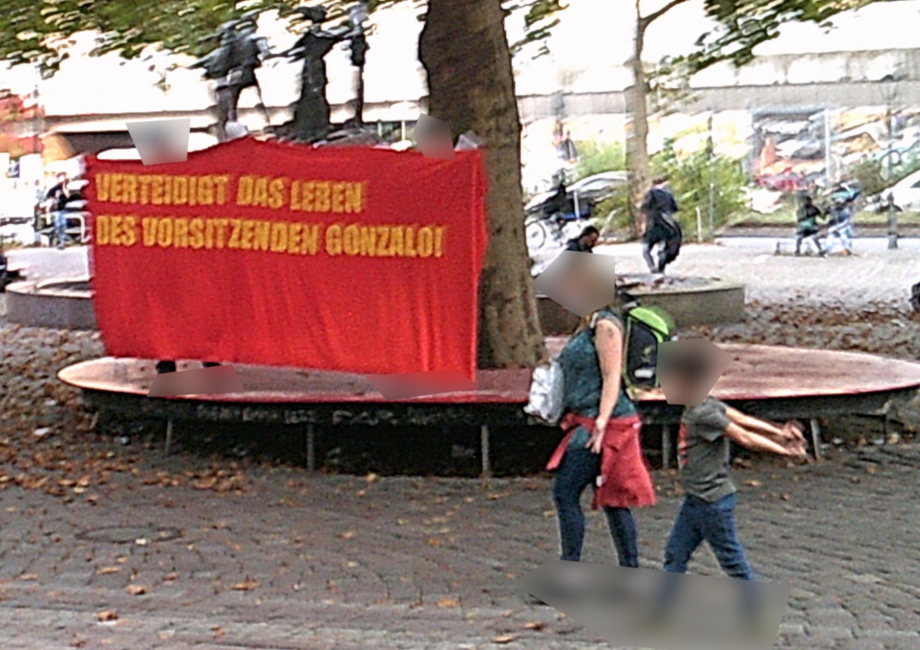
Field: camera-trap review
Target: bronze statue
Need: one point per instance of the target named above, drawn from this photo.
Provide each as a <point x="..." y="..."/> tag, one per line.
<point x="312" y="112"/>
<point x="232" y="66"/>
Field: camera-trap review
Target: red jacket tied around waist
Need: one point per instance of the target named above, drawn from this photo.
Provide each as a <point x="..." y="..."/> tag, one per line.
<point x="625" y="481"/>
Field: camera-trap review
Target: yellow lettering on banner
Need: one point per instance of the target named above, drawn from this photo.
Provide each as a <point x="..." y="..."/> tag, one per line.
<point x="260" y="193"/>
<point x="425" y="242"/>
<point x="234" y="233"/>
<point x="221" y="183"/>
<point x="263" y="228"/>
<point x="351" y="242"/>
<point x="248" y="234"/>
<point x="276" y="193"/>
<point x="410" y="241"/>
<point x="193" y="190"/>
<point x="334" y="240"/>
<point x="156" y="190"/>
<point x="206" y="190"/>
<point x="310" y="243"/>
<point x="116" y="188"/>
<point x="149" y="228"/>
<point x="103" y="231"/>
<point x="279" y="237"/>
<point x="306" y="199"/>
<point x="180" y="236"/>
<point x="165" y="233"/>
<point x="102" y="187"/>
<point x="145" y="189"/>
<point x="295" y="235"/>
<point x="338" y="198"/>
<point x="295" y="196"/>
<point x="354" y="198"/>
<point x="368" y="239"/>
<point x="396" y="241"/>
<point x="115" y="230"/>
<point x="196" y="233"/>
<point x="322" y="198"/>
<point x="168" y="189"/>
<point x="438" y="241"/>
<point x="244" y="191"/>
<point x="129" y="188"/>
<point x="209" y="234"/>
<point x="383" y="242"/>
<point x="130" y="232"/>
<point x="221" y="226"/>
<point x="180" y="190"/>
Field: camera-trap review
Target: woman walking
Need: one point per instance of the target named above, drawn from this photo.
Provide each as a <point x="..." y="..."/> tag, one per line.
<point x="601" y="446"/>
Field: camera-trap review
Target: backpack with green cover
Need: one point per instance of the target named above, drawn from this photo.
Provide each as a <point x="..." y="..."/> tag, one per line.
<point x="646" y="327"/>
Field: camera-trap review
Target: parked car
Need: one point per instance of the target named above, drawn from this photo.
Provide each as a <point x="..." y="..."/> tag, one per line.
<point x="786" y="181"/>
<point x="592" y="189"/>
<point x="906" y="194"/>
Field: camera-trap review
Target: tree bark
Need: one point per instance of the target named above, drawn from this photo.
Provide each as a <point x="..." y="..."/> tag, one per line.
<point x="464" y="50"/>
<point x="637" y="158"/>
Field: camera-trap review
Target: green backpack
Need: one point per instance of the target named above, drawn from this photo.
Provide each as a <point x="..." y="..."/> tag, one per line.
<point x="646" y="327"/>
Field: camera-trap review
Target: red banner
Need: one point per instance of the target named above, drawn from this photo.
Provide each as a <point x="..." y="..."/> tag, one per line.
<point x="351" y="259"/>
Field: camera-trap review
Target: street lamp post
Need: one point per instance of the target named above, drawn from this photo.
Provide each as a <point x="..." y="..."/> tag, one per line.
<point x="890" y="90"/>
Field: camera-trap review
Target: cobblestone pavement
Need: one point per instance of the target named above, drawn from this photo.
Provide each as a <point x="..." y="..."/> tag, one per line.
<point x="301" y="561"/>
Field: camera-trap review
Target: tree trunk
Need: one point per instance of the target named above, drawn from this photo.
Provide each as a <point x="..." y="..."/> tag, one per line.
<point x="465" y="53"/>
<point x="637" y="158"/>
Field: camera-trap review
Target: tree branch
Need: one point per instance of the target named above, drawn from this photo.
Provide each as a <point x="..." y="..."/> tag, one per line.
<point x="645" y="21"/>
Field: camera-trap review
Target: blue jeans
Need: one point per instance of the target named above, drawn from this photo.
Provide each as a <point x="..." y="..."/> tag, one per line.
<point x="60" y="226"/>
<point x="714" y="523"/>
<point x="579" y="469"/>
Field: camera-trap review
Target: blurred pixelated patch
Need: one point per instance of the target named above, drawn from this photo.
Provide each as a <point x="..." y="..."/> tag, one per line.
<point x="419" y="384"/>
<point x="161" y="141"/>
<point x="580" y="282"/>
<point x="645" y="608"/>
<point x="689" y="369"/>
<point x="204" y="381"/>
<point x="433" y="137"/>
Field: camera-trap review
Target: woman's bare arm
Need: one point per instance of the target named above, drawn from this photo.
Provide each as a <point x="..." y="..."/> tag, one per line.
<point x="609" y="342"/>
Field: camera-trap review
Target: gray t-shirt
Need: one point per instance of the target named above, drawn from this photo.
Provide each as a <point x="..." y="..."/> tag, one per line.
<point x="704" y="451"/>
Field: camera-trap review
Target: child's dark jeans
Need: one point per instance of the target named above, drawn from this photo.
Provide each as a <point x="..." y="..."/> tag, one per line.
<point x="578" y="470"/>
<point x="714" y="523"/>
<point x="700" y="521"/>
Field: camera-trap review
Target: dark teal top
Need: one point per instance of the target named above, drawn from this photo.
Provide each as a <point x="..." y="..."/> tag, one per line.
<point x="581" y="370"/>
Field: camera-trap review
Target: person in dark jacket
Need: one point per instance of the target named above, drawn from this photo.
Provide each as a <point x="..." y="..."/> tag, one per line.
<point x="661" y="229"/>
<point x="585" y="242"/>
<point x="807" y="225"/>
<point x="57" y="198"/>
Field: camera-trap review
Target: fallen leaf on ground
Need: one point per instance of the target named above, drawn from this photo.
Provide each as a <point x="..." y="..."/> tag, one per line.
<point x="108" y="569"/>
<point x="28" y="576"/>
<point x="535" y="625"/>
<point x="246" y="585"/>
<point x="448" y="602"/>
<point x="753" y="483"/>
<point x="372" y="478"/>
<point x="505" y="638"/>
<point x="136" y="590"/>
<point x="107" y="615"/>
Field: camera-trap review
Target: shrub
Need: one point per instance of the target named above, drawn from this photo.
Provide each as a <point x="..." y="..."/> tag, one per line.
<point x="690" y="180"/>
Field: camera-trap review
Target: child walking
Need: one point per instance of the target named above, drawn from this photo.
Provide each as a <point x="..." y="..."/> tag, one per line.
<point x="704" y="446"/>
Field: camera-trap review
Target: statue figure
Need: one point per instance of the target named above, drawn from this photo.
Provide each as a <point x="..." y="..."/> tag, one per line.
<point x="232" y="66"/>
<point x="312" y="112"/>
